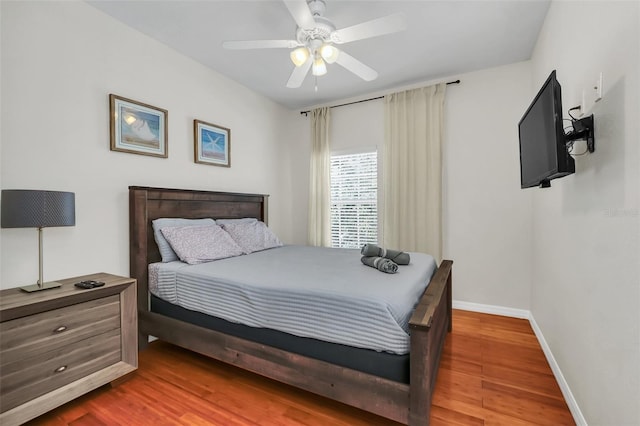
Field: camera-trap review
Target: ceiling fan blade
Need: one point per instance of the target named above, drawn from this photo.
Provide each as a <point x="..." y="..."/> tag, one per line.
<point x="355" y="66"/>
<point x="260" y="44"/>
<point x="298" y="75"/>
<point x="301" y="13"/>
<point x="377" y="27"/>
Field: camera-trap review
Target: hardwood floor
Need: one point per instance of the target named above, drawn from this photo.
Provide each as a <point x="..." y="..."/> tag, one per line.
<point x="493" y="372"/>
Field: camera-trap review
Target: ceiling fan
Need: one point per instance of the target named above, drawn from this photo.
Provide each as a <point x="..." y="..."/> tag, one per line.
<point x="316" y="37"/>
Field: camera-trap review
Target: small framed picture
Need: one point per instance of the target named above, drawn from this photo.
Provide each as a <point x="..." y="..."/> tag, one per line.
<point x="212" y="144"/>
<point x="138" y="128"/>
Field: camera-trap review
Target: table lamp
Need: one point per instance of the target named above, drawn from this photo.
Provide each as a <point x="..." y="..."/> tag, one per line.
<point x="38" y="209"/>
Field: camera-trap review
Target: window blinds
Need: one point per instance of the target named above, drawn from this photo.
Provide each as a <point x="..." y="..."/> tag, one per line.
<point x="354" y="204"/>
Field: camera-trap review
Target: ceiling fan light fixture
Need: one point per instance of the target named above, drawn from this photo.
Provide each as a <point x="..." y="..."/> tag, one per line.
<point x="316" y="35"/>
<point x="319" y="67"/>
<point x="299" y="56"/>
<point x="329" y="53"/>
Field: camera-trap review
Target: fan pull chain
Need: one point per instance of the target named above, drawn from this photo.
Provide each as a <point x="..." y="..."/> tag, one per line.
<point x="316" y="84"/>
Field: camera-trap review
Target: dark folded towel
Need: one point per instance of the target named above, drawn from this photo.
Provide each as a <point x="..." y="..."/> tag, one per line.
<point x="381" y="264"/>
<point x="399" y="257"/>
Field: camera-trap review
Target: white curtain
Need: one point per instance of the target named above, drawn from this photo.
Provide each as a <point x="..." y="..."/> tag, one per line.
<point x="319" y="180"/>
<point x="412" y="176"/>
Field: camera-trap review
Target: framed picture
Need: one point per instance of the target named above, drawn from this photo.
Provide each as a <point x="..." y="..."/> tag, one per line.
<point x="212" y="144"/>
<point x="138" y="128"/>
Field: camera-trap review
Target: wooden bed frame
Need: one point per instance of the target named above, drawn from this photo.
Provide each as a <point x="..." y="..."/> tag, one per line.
<point x="405" y="403"/>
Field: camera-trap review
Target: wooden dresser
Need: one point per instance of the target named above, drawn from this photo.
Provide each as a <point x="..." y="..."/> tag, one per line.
<point x="58" y="344"/>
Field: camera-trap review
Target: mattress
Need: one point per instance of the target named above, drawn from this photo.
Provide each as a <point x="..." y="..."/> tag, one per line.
<point x="320" y="293"/>
<point x="382" y="364"/>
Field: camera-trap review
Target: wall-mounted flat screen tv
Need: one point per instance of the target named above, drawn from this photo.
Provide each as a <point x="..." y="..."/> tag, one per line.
<point x="543" y="145"/>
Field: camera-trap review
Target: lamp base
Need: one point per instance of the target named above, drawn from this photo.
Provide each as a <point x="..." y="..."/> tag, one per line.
<point x="37" y="287"/>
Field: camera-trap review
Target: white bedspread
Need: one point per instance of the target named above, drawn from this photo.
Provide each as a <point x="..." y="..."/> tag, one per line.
<point x="322" y="293"/>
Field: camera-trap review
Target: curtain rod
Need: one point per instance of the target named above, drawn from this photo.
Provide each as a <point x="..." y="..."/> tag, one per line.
<point x="367" y="100"/>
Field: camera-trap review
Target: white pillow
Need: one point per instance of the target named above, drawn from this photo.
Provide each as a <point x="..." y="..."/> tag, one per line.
<point x="199" y="244"/>
<point x="252" y="236"/>
<point x="166" y="252"/>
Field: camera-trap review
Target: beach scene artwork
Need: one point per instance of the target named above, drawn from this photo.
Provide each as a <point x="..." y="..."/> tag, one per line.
<point x="212" y="144"/>
<point x="137" y="128"/>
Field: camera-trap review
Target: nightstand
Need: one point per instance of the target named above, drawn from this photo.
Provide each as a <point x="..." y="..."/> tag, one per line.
<point x="58" y="344"/>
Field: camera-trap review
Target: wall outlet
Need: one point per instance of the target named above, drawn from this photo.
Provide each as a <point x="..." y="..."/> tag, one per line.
<point x="598" y="88"/>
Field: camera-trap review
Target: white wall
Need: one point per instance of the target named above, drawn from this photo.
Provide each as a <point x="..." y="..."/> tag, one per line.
<point x="298" y="155"/>
<point x="487" y="225"/>
<point x="357" y="127"/>
<point x="60" y="61"/>
<point x="585" y="294"/>
<point x="487" y="229"/>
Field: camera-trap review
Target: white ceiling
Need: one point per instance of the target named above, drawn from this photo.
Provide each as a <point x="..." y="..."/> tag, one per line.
<point x="443" y="38"/>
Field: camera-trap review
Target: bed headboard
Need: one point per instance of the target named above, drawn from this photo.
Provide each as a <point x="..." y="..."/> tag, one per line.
<point x="147" y="204"/>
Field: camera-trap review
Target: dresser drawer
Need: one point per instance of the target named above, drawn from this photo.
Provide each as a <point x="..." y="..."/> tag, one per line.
<point x="25" y="337"/>
<point x="26" y="379"/>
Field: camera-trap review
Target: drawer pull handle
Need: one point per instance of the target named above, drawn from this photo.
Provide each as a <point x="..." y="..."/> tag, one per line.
<point x="60" y="329"/>
<point x="60" y="369"/>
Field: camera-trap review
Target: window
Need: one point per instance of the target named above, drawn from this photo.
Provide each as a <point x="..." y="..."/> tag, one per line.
<point x="354" y="201"/>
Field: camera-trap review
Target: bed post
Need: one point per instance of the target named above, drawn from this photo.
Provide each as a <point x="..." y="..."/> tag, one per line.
<point x="138" y="252"/>
<point x="450" y="299"/>
<point x="265" y="209"/>
<point x="429" y="325"/>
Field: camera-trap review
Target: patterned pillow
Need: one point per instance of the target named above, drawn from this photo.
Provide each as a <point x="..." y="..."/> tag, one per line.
<point x="252" y="236"/>
<point x="166" y="252"/>
<point x="199" y="244"/>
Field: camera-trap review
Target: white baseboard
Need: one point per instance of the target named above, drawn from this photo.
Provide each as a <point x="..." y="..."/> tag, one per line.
<point x="555" y="368"/>
<point x="564" y="386"/>
<point x="491" y="309"/>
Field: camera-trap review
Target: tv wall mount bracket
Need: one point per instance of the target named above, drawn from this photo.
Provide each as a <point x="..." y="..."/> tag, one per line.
<point x="583" y="129"/>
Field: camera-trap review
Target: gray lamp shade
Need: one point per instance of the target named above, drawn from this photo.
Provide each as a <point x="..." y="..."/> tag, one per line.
<point x="37" y="209"/>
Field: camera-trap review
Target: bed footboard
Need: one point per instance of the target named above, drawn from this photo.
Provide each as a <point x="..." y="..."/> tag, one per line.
<point x="429" y="325"/>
